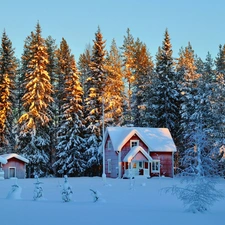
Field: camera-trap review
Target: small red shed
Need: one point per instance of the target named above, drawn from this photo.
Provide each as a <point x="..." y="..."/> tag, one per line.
<point x="138" y="151"/>
<point x="15" y="166"/>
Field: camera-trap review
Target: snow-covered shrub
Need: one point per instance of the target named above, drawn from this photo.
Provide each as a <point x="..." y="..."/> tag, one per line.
<point x="66" y="191"/>
<point x="95" y="194"/>
<point x="15" y="192"/>
<point x="38" y="190"/>
<point x="198" y="195"/>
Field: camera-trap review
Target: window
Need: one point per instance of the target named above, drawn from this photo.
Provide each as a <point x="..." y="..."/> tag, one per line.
<point x="134" y="143"/>
<point x="109" y="165"/>
<point x="109" y="145"/>
<point x="155" y="166"/>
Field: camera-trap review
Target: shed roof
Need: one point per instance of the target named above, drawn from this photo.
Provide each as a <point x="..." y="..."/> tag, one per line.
<point x="3" y="160"/>
<point x="14" y="155"/>
<point x="156" y="139"/>
<point x="134" y="151"/>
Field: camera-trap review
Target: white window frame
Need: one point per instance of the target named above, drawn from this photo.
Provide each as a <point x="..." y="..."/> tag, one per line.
<point x="109" y="145"/>
<point x="134" y="141"/>
<point x="109" y="162"/>
<point x="153" y="166"/>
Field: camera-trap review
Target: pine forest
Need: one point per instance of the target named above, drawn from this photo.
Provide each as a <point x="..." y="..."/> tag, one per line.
<point x="53" y="108"/>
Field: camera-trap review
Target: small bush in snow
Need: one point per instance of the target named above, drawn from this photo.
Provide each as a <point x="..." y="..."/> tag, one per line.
<point x="38" y="190"/>
<point x="15" y="192"/>
<point x="197" y="195"/>
<point x="95" y="194"/>
<point x="66" y="191"/>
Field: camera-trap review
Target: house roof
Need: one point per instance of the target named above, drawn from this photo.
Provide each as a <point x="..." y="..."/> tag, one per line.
<point x="14" y="155"/>
<point x="134" y="151"/>
<point x="3" y="160"/>
<point x="156" y="139"/>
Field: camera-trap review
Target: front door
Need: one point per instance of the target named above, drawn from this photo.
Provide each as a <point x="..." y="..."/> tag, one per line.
<point x="138" y="168"/>
<point x="12" y="172"/>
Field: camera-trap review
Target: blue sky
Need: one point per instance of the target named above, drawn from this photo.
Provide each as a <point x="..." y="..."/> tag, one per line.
<point x="198" y="21"/>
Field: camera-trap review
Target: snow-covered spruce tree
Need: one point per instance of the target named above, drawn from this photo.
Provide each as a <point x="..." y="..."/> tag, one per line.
<point x="165" y="90"/>
<point x="219" y="103"/>
<point x="128" y="66"/>
<point x="34" y="139"/>
<point x="196" y="89"/>
<point x="84" y="69"/>
<point x="198" y="191"/>
<point x="220" y="60"/>
<point x="218" y="109"/>
<point x="70" y="146"/>
<point x="141" y="95"/>
<point x="199" y="64"/>
<point x="94" y="105"/>
<point x="114" y="89"/>
<point x="66" y="191"/>
<point x="51" y="69"/>
<point x="209" y="73"/>
<point x="23" y="67"/>
<point x="187" y="73"/>
<point x="187" y="59"/>
<point x="38" y="190"/>
<point x="8" y="70"/>
<point x="200" y="159"/>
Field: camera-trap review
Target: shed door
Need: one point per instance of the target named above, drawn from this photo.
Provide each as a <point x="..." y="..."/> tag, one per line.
<point x="12" y="172"/>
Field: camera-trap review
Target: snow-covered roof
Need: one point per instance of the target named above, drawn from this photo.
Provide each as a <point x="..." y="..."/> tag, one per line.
<point x="134" y="151"/>
<point x="3" y="160"/>
<point x="156" y="139"/>
<point x="14" y="155"/>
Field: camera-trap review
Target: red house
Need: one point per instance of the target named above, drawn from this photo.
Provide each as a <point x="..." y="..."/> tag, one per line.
<point x="15" y="166"/>
<point x="138" y="151"/>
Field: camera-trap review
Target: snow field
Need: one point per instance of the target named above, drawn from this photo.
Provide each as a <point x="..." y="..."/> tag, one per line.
<point x="121" y="202"/>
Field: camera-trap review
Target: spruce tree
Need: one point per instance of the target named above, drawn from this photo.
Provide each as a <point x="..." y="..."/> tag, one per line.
<point x="187" y="60"/>
<point x="166" y="92"/>
<point x="187" y="67"/>
<point x="114" y="89"/>
<point x="84" y="68"/>
<point x="34" y="139"/>
<point x="128" y="67"/>
<point x="8" y="71"/>
<point x="51" y="69"/>
<point x="199" y="64"/>
<point x="218" y="111"/>
<point x="208" y="73"/>
<point x="94" y="104"/>
<point x="70" y="145"/>
<point x="143" y="73"/>
<point x="219" y="96"/>
<point x="220" y="60"/>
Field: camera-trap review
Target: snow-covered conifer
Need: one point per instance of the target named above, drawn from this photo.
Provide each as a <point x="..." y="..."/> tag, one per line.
<point x="94" y="104"/>
<point x="38" y="190"/>
<point x="141" y="96"/>
<point x="70" y="146"/>
<point x="51" y="69"/>
<point x="34" y="139"/>
<point x="84" y="69"/>
<point x="114" y="89"/>
<point x="165" y="90"/>
<point x="128" y="66"/>
<point x="66" y="190"/>
<point x="8" y="66"/>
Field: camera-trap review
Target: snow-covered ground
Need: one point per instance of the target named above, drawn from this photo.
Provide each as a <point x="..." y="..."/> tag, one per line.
<point x="138" y="201"/>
